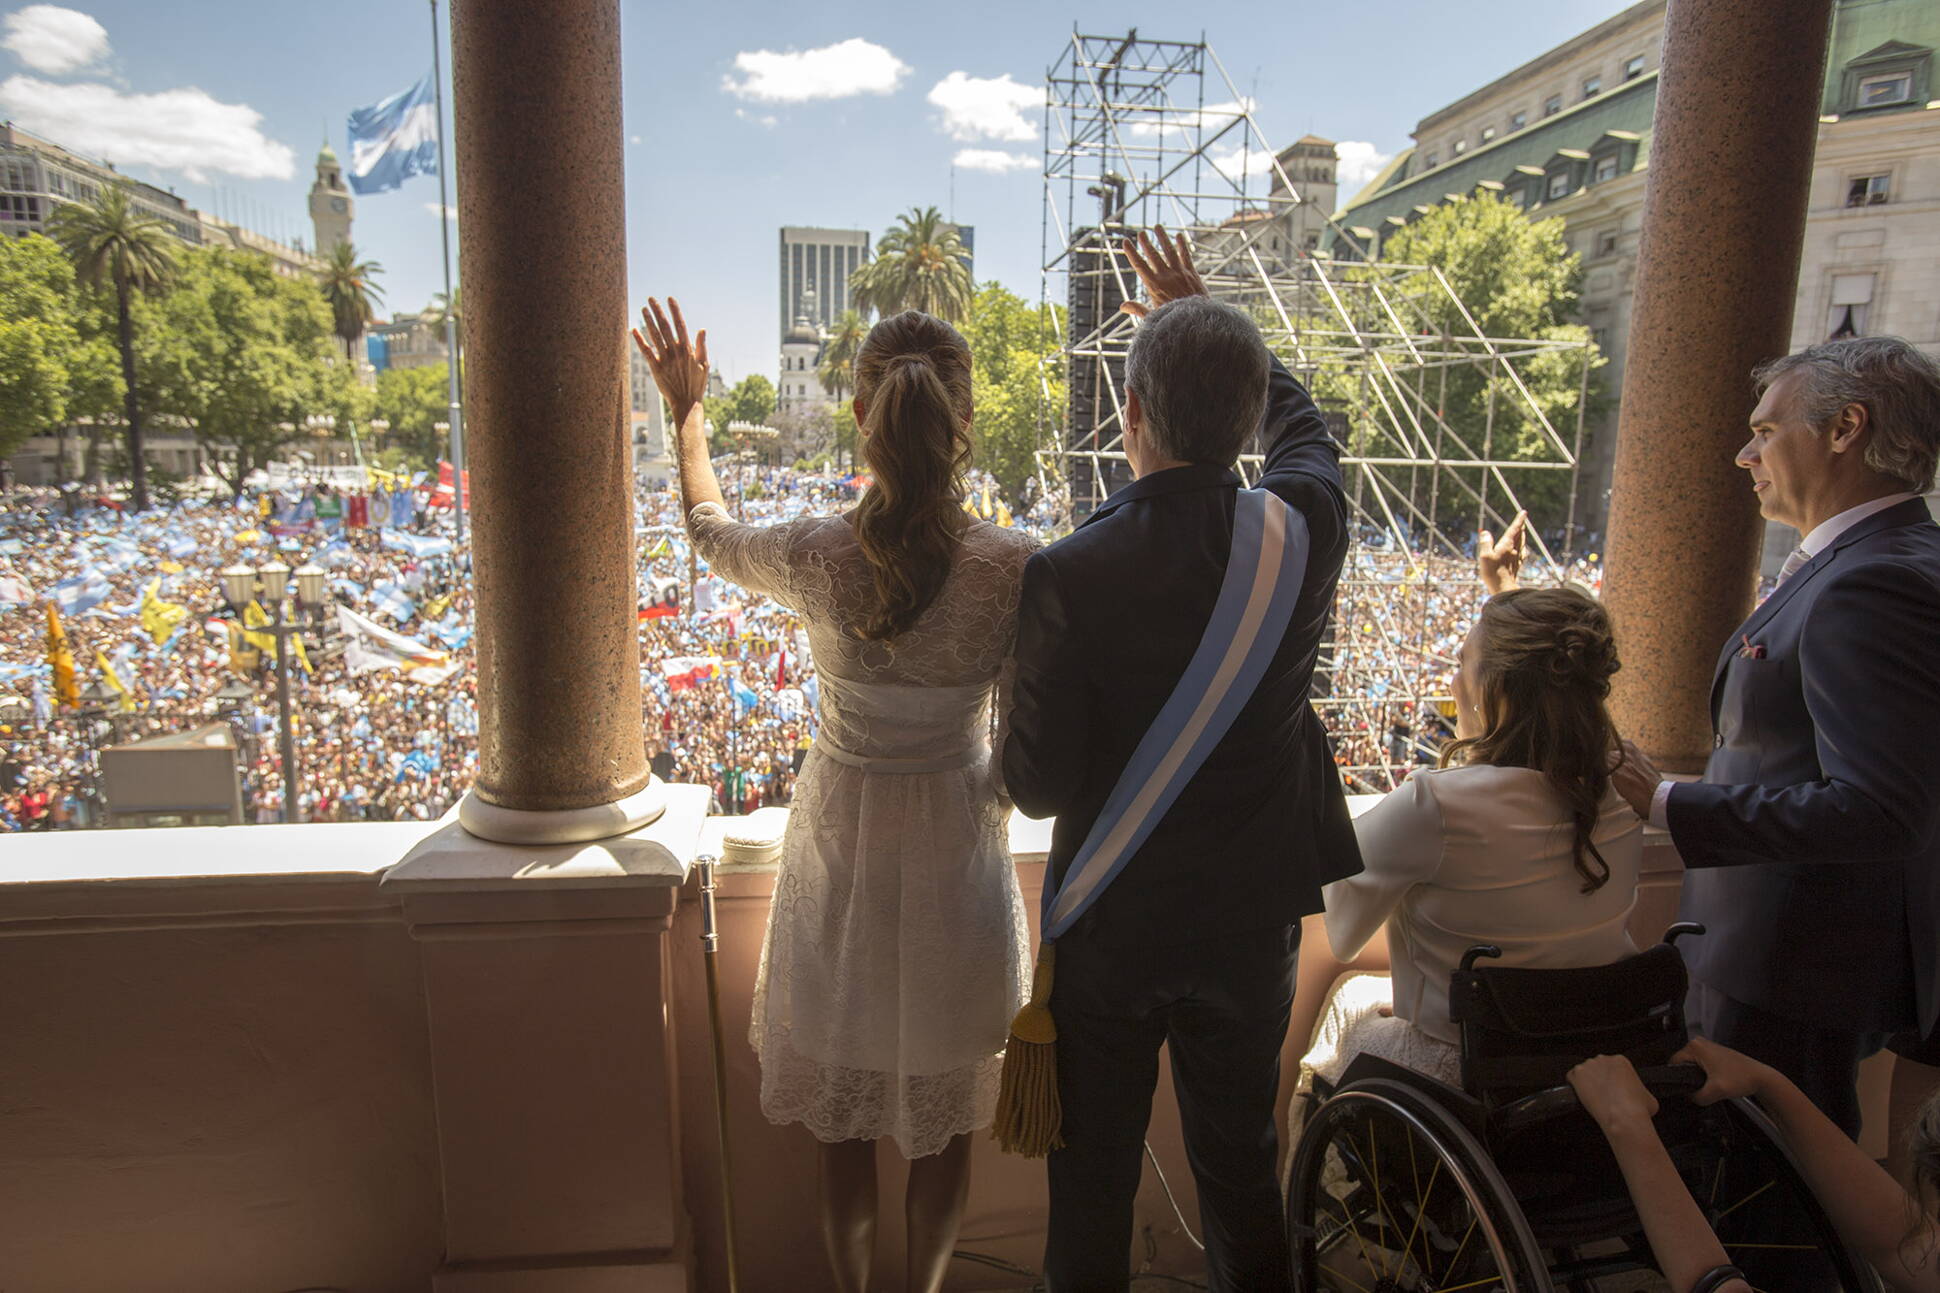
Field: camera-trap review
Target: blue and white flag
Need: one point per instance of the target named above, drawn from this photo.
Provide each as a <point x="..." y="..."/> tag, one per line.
<point x="393" y="140"/>
<point x="86" y="590"/>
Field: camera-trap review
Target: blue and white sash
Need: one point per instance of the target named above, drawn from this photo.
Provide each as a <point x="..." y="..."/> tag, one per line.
<point x="1256" y="599"/>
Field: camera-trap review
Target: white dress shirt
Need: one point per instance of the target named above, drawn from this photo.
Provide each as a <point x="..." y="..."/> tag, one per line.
<point x="1811" y="545"/>
<point x="1481" y="854"/>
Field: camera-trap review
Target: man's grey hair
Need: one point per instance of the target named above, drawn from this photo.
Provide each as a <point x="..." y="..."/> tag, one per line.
<point x="1199" y="368"/>
<point x="1897" y="385"/>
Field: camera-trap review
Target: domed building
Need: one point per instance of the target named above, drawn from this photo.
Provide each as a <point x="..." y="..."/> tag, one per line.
<point x="801" y="353"/>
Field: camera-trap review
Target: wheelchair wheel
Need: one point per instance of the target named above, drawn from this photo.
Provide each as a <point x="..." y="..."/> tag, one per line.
<point x="1391" y="1194"/>
<point x="1749" y="1186"/>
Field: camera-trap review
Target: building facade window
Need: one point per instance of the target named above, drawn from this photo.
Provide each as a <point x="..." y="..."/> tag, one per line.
<point x="1606" y="168"/>
<point x="1592" y="86"/>
<point x="1852" y="301"/>
<point x="1559" y="184"/>
<point x="1488" y="133"/>
<point x="1518" y="121"/>
<point x="1429" y="162"/>
<point x="1606" y="242"/>
<point x="1885" y="89"/>
<point x="1517" y="195"/>
<point x="1868" y="190"/>
<point x="1459" y="147"/>
<point x="1601" y="338"/>
<point x="1633" y="67"/>
<point x="1552" y="105"/>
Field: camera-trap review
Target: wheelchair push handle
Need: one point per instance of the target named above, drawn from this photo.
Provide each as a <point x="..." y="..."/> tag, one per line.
<point x="1480" y="950"/>
<point x="1664" y="1081"/>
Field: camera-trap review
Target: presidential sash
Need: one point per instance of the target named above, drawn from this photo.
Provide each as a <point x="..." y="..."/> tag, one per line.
<point x="1262" y="583"/>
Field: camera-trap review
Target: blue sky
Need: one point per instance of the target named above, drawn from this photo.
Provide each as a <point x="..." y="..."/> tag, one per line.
<point x="741" y="117"/>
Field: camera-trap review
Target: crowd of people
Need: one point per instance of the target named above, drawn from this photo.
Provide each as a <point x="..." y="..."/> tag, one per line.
<point x="729" y="691"/>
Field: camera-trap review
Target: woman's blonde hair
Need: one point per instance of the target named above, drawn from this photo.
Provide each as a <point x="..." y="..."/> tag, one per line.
<point x="1543" y="672"/>
<point x="913" y="376"/>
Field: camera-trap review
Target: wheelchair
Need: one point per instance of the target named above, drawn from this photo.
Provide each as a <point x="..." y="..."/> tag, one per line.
<point x="1404" y="1184"/>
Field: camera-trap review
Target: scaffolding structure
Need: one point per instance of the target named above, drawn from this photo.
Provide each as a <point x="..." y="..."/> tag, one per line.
<point x="1441" y="433"/>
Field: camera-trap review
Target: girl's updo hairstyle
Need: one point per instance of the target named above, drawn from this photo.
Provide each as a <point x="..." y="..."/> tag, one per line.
<point x="1543" y="669"/>
<point x="913" y="376"/>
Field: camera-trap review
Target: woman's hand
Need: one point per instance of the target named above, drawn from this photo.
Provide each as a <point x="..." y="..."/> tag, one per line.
<point x="1612" y="1093"/>
<point x="679" y="369"/>
<point x="1164" y="266"/>
<point x="1728" y="1074"/>
<point x="1499" y="562"/>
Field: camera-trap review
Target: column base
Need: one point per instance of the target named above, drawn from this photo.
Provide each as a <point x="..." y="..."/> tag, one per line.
<point x="562" y="826"/>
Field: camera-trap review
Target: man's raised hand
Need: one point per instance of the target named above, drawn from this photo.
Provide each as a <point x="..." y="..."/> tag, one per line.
<point x="679" y="368"/>
<point x="1499" y="561"/>
<point x="1165" y="266"/>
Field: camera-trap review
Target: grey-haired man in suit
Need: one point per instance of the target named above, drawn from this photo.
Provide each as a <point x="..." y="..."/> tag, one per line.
<point x="1812" y="845"/>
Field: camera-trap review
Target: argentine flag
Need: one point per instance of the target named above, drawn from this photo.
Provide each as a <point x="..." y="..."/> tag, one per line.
<point x="393" y="140"/>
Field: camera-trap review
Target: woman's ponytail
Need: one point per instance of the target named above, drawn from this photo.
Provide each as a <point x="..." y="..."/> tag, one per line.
<point x="913" y="375"/>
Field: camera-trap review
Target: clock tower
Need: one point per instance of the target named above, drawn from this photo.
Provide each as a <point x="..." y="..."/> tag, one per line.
<point x="331" y="205"/>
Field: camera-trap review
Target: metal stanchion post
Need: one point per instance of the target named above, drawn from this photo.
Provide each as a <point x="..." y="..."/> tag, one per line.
<point x="710" y="939"/>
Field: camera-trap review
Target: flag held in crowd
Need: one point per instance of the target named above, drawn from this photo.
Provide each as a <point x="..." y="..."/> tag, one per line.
<point x="158" y="617"/>
<point x="394" y="139"/>
<point x="368" y="646"/>
<point x="83" y="592"/>
<point x="685" y="671"/>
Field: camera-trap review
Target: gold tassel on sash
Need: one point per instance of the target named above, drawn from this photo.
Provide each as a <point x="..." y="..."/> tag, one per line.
<point x="1028" y="1113"/>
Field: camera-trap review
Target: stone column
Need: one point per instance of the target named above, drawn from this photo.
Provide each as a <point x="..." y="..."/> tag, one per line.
<point x="541" y="197"/>
<point x="1717" y="273"/>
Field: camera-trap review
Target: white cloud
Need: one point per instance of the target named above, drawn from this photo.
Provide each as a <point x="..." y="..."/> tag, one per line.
<point x="450" y="212"/>
<point x="987" y="107"/>
<point x="850" y="67"/>
<point x="995" y="160"/>
<point x="631" y="139"/>
<point x="49" y="38"/>
<point x="1239" y="163"/>
<point x="759" y="118"/>
<point x="1360" y="161"/>
<point x="176" y="130"/>
<point x="1178" y="124"/>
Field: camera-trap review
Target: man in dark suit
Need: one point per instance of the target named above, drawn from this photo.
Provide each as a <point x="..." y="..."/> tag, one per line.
<point x="1812" y="846"/>
<point x="1194" y="943"/>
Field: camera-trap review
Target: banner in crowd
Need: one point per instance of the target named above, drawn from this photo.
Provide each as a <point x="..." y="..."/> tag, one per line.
<point x="685" y="671"/>
<point x="61" y="660"/>
<point x="158" y="617"/>
<point x="369" y="646"/>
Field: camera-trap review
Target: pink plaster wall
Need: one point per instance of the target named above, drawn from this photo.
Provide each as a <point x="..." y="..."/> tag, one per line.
<point x="244" y="1108"/>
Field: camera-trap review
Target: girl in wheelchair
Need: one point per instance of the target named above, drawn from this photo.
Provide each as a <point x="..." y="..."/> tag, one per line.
<point x="1893" y="1230"/>
<point x="1517" y="839"/>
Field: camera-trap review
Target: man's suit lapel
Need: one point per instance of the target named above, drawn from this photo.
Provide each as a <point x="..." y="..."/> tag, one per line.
<point x="1912" y="512"/>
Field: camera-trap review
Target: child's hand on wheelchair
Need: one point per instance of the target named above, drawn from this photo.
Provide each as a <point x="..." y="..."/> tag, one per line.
<point x="1728" y="1074"/>
<point x="1612" y="1093"/>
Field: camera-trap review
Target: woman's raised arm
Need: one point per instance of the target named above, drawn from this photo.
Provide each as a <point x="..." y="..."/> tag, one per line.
<point x="680" y="371"/>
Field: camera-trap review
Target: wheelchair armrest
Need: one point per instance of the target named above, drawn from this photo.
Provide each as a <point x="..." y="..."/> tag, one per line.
<point x="1662" y="1081"/>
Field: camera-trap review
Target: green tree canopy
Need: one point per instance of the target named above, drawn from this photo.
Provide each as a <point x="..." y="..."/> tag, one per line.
<point x="752" y="399"/>
<point x="837" y="370"/>
<point x="242" y="354"/>
<point x="414" y="401"/>
<point x="1517" y="278"/>
<point x="921" y="264"/>
<point x="39" y="340"/>
<point x="120" y="252"/>
<point x="1017" y="373"/>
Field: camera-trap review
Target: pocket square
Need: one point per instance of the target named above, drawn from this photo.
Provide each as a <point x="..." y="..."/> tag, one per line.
<point x="1751" y="650"/>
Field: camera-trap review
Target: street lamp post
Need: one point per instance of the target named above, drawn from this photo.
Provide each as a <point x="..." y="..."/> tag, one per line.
<point x="238" y="585"/>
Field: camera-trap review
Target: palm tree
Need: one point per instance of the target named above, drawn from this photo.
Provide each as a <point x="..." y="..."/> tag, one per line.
<point x="920" y="265"/>
<point x="348" y="287"/>
<point x="115" y="245"/>
<point x="452" y="308"/>
<point x="837" y="371"/>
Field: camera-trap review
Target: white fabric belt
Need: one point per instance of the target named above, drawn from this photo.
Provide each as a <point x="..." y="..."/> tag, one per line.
<point x="902" y="767"/>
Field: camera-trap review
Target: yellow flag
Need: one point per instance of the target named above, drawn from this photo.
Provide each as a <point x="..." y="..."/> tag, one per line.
<point x="254" y="617"/>
<point x="1004" y="517"/>
<point x="157" y="616"/>
<point x="67" y="690"/>
<point x="985" y="510"/>
<point x="435" y="608"/>
<point x="243" y="658"/>
<point x="169" y="567"/>
<point x="246" y="537"/>
<point x="113" y="679"/>
<point x="302" y="656"/>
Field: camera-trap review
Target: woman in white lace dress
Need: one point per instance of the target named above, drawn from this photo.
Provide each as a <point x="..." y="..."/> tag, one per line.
<point x="896" y="944"/>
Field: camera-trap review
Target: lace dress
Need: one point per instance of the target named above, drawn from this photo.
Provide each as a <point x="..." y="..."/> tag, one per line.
<point x="896" y="945"/>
